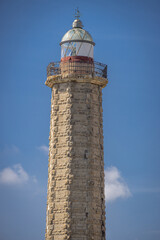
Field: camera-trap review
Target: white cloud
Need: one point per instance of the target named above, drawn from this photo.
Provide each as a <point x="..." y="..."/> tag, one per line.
<point x="34" y="179"/>
<point x="9" y="150"/>
<point x="115" y="186"/>
<point x="13" y="176"/>
<point x="44" y="149"/>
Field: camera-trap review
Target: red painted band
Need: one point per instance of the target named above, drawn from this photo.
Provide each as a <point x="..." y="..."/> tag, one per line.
<point x="77" y="59"/>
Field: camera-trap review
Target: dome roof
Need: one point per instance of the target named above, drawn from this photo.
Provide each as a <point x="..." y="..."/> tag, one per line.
<point x="77" y="34"/>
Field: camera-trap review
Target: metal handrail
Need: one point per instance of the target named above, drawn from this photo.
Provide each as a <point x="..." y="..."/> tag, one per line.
<point x="78" y="68"/>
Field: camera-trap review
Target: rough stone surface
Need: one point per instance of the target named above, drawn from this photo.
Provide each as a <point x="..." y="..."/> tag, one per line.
<point x="76" y="202"/>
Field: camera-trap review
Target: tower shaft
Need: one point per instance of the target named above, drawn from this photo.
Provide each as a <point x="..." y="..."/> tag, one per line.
<point x="75" y="200"/>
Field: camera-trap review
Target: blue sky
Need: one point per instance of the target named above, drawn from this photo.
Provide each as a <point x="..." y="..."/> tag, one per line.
<point x="127" y="37"/>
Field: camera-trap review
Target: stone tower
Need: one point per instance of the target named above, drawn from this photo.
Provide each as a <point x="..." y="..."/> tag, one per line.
<point x="75" y="199"/>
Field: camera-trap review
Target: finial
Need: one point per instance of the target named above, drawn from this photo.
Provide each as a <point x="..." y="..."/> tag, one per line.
<point x="77" y="13"/>
<point x="77" y="22"/>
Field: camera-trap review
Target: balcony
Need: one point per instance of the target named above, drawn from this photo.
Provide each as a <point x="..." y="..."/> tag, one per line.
<point x="80" y="71"/>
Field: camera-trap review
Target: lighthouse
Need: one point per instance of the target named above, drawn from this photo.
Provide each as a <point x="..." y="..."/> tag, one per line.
<point x="75" y="197"/>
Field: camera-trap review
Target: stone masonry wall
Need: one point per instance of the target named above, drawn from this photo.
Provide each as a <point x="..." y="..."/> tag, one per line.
<point x="76" y="204"/>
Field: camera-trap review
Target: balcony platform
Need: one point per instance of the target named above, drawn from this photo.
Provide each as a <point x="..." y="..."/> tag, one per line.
<point x="82" y="72"/>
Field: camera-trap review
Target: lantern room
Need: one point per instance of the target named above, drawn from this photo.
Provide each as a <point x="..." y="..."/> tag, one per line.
<point x="77" y="42"/>
<point x="77" y="62"/>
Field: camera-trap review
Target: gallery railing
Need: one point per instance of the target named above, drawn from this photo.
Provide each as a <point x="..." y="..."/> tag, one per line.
<point x="77" y="69"/>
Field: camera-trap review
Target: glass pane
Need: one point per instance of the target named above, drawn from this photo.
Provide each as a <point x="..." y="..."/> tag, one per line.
<point x="77" y="49"/>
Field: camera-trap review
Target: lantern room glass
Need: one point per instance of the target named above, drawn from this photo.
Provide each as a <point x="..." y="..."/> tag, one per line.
<point x="77" y="49"/>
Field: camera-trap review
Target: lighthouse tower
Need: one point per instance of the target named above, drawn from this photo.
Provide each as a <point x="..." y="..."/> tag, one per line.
<point x="75" y="198"/>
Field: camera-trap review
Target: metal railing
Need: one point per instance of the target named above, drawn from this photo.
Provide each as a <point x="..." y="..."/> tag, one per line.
<point x="77" y="68"/>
